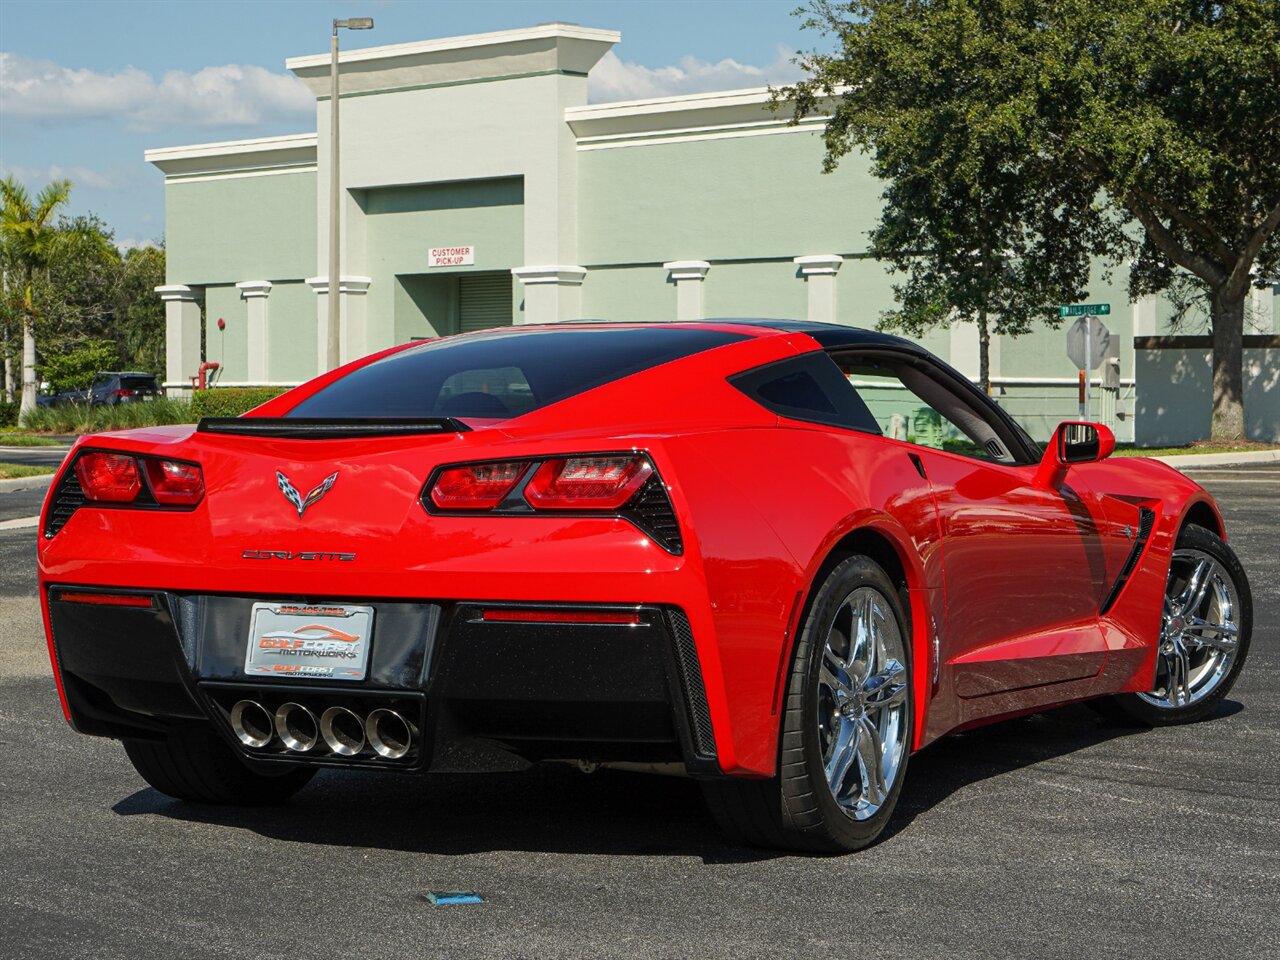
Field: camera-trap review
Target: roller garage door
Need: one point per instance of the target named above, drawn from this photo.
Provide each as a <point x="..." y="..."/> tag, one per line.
<point x="484" y="300"/>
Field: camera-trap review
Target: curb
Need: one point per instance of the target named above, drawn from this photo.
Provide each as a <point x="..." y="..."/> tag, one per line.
<point x="25" y="483"/>
<point x="1220" y="459"/>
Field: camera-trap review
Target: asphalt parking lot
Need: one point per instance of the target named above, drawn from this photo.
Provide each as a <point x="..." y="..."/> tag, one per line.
<point x="1054" y="836"/>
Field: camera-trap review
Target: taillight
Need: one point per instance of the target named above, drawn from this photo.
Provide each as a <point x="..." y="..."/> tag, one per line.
<point x="587" y="483"/>
<point x="124" y="393"/>
<point x="174" y="483"/>
<point x="109" y="477"/>
<point x="622" y="485"/>
<point x="477" y="486"/>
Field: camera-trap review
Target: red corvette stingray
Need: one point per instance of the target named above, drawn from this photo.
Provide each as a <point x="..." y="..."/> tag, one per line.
<point x="777" y="556"/>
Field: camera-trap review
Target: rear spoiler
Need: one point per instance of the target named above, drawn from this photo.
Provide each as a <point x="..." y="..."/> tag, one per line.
<point x="329" y="428"/>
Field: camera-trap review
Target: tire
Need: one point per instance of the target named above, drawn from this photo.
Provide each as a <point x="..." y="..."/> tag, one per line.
<point x="1210" y="658"/>
<point x="834" y="705"/>
<point x="195" y="764"/>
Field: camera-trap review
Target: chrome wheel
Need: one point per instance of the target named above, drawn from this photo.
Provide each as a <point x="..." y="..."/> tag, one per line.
<point x="862" y="703"/>
<point x="1200" y="631"/>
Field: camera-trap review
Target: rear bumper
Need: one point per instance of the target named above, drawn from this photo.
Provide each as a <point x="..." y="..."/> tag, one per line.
<point x="549" y="688"/>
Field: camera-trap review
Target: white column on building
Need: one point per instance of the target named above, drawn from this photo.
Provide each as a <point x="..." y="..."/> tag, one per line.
<point x="688" y="276"/>
<point x="1263" y="309"/>
<point x="551" y="292"/>
<point x="255" y="293"/>
<point x="182" y="332"/>
<point x="351" y="317"/>
<point x="1144" y="316"/>
<point x="819" y="272"/>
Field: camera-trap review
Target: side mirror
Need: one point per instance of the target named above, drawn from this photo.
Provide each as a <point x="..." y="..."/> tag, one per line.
<point x="1074" y="442"/>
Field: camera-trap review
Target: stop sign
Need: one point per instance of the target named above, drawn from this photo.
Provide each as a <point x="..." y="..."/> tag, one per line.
<point x="1098" y="336"/>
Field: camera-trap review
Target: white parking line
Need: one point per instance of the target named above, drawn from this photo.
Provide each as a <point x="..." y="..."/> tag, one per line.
<point x="21" y="523"/>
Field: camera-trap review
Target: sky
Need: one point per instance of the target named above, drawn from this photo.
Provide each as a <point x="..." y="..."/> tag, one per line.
<point x="87" y="85"/>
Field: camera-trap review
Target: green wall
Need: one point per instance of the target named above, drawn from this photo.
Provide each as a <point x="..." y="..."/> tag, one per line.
<point x="291" y="332"/>
<point x="229" y="346"/>
<point x="741" y="198"/>
<point x="242" y="228"/>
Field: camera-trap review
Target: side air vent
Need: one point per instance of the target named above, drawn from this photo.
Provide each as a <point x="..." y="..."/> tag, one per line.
<point x="695" y="693"/>
<point x="650" y="510"/>
<point x="1146" y="522"/>
<point x="68" y="498"/>
<point x="996" y="450"/>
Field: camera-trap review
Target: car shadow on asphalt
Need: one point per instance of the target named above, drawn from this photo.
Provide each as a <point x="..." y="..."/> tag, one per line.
<point x="954" y="762"/>
<point x="555" y="808"/>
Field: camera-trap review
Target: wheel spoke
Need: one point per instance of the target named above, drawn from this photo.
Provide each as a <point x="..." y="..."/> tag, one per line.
<point x="833" y="674"/>
<point x="870" y="763"/>
<point x="1177" y="671"/>
<point x="843" y="751"/>
<point x="862" y="644"/>
<point x="1193" y="593"/>
<point x="887" y="688"/>
<point x="1218" y="636"/>
<point x="875" y="645"/>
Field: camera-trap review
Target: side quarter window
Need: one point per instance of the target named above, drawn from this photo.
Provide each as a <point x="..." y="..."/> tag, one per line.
<point x="909" y="405"/>
<point x="809" y="387"/>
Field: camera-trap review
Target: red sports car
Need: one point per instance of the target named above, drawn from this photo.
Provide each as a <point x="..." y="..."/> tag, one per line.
<point x="776" y="556"/>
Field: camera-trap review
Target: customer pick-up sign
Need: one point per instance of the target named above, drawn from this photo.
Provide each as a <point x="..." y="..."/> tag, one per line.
<point x="453" y="256"/>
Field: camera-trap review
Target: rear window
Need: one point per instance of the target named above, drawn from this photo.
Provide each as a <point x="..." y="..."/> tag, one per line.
<point x="503" y="374"/>
<point x="138" y="383"/>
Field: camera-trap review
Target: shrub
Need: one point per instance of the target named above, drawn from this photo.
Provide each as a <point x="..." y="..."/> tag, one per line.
<point x="81" y="418"/>
<point x="8" y="413"/>
<point x="230" y="401"/>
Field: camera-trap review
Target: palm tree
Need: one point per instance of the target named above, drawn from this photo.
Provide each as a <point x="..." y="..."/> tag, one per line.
<point x="32" y="240"/>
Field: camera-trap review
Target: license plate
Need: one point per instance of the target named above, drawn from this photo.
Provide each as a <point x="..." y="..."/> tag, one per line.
<point x="313" y="641"/>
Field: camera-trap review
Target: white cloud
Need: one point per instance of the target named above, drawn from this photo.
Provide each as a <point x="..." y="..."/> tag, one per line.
<point x="79" y="176"/>
<point x="125" y="245"/>
<point x="228" y="95"/>
<point x="616" y="79"/>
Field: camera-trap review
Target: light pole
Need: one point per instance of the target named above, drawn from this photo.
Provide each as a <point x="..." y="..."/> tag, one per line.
<point x="332" y="353"/>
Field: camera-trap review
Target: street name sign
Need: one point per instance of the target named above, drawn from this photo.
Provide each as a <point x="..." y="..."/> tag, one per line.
<point x="1084" y="310"/>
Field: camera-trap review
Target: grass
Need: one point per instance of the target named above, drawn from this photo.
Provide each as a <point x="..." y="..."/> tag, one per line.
<point x="77" y="418"/>
<point x="1200" y="446"/>
<point x="14" y="439"/>
<point x="9" y="471"/>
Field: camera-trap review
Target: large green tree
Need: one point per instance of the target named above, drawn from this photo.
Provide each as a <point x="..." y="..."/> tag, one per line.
<point x="1148" y="130"/>
<point x="32" y="241"/>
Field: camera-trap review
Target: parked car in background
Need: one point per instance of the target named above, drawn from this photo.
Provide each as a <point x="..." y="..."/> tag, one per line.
<point x="111" y="388"/>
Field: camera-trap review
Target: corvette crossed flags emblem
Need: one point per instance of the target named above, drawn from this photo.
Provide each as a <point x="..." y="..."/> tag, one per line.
<point x="299" y="502"/>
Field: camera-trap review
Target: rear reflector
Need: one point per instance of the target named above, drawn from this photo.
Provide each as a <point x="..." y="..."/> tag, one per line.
<point x="174" y="483"/>
<point x="105" y="599"/>
<point x="587" y="483"/>
<point x="109" y="477"/>
<point x="561" y="616"/>
<point x="477" y="486"/>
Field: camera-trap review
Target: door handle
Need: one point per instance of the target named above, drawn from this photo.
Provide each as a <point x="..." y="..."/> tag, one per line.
<point x="919" y="465"/>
